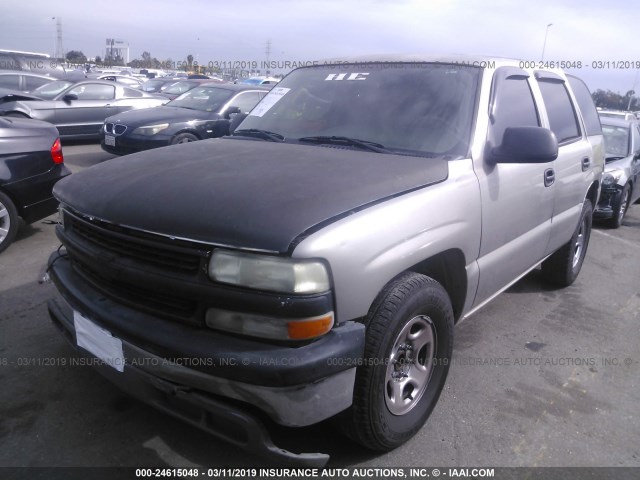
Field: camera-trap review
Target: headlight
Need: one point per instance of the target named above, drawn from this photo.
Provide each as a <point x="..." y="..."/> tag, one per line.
<point x="611" y="177"/>
<point x="151" y="129"/>
<point x="263" y="272"/>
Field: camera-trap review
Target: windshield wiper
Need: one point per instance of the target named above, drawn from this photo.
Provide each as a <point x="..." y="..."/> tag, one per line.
<point x="352" y="142"/>
<point x="612" y="158"/>
<point x="256" y="132"/>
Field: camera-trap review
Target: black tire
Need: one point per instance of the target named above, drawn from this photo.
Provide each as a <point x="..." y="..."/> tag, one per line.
<point x="622" y="208"/>
<point x="184" y="138"/>
<point x="8" y="221"/>
<point x="563" y="267"/>
<point x="420" y="307"/>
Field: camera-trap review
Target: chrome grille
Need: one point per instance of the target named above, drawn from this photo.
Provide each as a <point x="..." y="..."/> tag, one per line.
<point x="114" y="128"/>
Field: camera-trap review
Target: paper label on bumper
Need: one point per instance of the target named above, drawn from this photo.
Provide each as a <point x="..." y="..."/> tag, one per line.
<point x="99" y="341"/>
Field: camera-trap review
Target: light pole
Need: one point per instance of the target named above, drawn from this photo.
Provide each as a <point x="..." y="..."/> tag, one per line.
<point x="633" y="89"/>
<point x="545" y="40"/>
<point x="54" y="40"/>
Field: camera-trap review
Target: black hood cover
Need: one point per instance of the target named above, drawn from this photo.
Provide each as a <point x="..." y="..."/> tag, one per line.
<point x="242" y="192"/>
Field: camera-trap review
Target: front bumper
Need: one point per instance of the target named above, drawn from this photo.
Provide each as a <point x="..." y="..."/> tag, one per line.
<point x="232" y="423"/>
<point x="222" y="384"/>
<point x="130" y="143"/>
<point x="608" y="203"/>
<point x="294" y="385"/>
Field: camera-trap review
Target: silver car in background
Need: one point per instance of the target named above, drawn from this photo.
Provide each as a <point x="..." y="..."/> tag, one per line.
<point x="79" y="110"/>
<point x="622" y="170"/>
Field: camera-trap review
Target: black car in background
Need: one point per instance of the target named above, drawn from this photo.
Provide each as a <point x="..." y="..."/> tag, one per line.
<point x="620" y="187"/>
<point x="202" y="112"/>
<point x="31" y="162"/>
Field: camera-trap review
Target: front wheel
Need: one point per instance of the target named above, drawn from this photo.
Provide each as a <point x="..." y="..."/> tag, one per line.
<point x="563" y="267"/>
<point x="620" y="212"/>
<point x="406" y="360"/>
<point x="184" y="138"/>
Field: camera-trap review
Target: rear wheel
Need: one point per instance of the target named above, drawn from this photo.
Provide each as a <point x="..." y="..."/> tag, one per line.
<point x="405" y="365"/>
<point x="621" y="211"/>
<point x="184" y="138"/>
<point x="563" y="267"/>
<point x="8" y="221"/>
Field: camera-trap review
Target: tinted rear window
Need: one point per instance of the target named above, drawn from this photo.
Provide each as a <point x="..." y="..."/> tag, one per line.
<point x="587" y="107"/>
<point x="562" y="117"/>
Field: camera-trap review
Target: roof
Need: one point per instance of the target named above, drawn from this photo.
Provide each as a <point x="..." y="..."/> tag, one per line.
<point x="471" y="60"/>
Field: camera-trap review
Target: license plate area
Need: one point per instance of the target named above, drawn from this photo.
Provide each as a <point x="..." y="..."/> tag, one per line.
<point x="99" y="342"/>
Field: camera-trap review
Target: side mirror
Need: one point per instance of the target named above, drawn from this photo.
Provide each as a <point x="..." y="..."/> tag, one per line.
<point x="235" y="121"/>
<point x="526" y="145"/>
<point x="69" y="97"/>
<point x="231" y="111"/>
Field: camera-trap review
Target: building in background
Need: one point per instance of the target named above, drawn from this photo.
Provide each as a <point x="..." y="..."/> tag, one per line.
<point x="117" y="51"/>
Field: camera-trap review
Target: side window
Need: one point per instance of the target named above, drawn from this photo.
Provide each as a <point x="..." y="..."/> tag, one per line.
<point x="32" y="83"/>
<point x="587" y="107"/>
<point x="562" y="116"/>
<point x="92" y="91"/>
<point x="131" y="93"/>
<point x="514" y="107"/>
<point x="245" y="101"/>
<point x="10" y="81"/>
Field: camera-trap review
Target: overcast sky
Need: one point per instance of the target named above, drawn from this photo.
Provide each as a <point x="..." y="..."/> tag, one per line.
<point x="305" y="30"/>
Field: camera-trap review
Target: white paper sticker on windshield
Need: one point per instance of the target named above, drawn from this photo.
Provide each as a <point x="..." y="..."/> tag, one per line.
<point x="269" y="101"/>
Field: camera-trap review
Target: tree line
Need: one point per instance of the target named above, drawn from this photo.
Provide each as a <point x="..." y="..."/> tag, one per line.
<point x="605" y="99"/>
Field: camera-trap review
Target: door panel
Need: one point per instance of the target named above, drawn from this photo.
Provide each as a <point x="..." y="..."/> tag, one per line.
<point x="516" y="204"/>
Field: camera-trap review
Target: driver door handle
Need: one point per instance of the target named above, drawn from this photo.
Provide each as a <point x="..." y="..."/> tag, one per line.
<point x="549" y="177"/>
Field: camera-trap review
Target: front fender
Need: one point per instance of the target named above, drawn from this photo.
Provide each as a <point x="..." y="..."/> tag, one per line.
<point x="369" y="248"/>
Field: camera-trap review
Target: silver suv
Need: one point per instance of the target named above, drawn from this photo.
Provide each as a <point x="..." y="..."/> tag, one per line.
<point x="313" y="264"/>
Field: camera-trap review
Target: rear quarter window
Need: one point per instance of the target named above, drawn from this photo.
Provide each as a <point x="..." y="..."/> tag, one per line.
<point x="562" y="116"/>
<point x="587" y="107"/>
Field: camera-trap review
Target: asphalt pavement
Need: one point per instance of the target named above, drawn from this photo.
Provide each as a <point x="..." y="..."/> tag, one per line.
<point x="540" y="377"/>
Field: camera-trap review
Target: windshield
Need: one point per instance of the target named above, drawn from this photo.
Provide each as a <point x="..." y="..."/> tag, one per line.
<point x="207" y="99"/>
<point x="51" y="89"/>
<point x="153" y="85"/>
<point x="417" y="109"/>
<point x="252" y="81"/>
<point x="179" y="87"/>
<point x="616" y="140"/>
